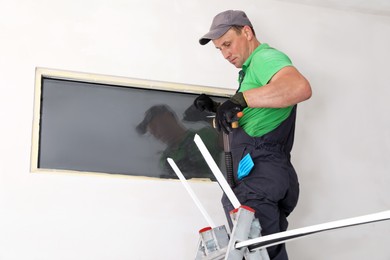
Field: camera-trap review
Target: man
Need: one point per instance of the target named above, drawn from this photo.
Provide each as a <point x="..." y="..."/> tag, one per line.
<point x="270" y="87"/>
<point x="162" y="123"/>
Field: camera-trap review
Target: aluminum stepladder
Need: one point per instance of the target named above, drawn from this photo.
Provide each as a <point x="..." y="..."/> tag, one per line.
<point x="245" y="241"/>
<point x="215" y="243"/>
<point x="245" y="225"/>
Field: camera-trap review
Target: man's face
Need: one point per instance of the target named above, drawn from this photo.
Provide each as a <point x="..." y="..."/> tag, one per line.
<point x="162" y="126"/>
<point x="234" y="47"/>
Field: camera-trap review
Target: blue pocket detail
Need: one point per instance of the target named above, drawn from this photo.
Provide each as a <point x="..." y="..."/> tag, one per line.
<point x="245" y="166"/>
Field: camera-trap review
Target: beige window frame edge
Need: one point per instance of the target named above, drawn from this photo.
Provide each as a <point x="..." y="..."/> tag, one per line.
<point x="108" y="80"/>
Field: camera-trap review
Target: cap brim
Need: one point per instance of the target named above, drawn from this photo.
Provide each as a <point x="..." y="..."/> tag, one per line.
<point x="214" y="34"/>
<point x="141" y="127"/>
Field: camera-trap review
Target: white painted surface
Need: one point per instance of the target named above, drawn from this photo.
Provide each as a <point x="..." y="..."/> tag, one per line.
<point x="341" y="152"/>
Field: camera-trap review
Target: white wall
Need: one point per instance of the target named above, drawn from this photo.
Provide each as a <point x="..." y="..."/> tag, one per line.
<point x="342" y="144"/>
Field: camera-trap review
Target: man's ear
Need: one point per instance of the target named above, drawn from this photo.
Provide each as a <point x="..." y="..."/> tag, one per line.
<point x="248" y="32"/>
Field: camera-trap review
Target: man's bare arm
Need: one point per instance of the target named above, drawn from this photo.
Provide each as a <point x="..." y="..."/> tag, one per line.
<point x="287" y="87"/>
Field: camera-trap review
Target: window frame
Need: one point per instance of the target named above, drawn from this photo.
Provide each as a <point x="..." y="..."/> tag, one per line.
<point x="115" y="81"/>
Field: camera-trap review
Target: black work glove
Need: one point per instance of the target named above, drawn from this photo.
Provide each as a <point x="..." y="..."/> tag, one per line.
<point x="227" y="112"/>
<point x="204" y="102"/>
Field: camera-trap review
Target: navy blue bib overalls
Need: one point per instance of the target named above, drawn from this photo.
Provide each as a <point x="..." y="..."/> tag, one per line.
<point x="272" y="187"/>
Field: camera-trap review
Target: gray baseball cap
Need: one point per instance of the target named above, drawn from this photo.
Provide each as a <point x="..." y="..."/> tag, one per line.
<point x="222" y="22"/>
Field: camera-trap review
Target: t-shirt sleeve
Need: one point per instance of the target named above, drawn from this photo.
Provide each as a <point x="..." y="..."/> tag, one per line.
<point x="268" y="63"/>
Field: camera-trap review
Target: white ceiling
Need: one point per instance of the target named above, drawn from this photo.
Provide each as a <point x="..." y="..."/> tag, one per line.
<point x="378" y="7"/>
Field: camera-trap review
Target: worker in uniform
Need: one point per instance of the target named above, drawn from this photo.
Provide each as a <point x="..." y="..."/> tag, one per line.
<point x="270" y="87"/>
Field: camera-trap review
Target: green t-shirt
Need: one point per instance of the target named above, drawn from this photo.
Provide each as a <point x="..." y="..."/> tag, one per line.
<point x="259" y="68"/>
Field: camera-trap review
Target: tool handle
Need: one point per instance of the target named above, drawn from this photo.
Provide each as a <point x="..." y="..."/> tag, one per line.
<point x="229" y="169"/>
<point x="235" y="123"/>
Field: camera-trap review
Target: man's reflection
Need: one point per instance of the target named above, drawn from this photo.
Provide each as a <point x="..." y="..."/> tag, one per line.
<point x="162" y="122"/>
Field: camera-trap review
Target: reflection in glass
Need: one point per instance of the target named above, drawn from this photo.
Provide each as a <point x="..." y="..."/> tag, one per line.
<point x="163" y="124"/>
<point x="92" y="127"/>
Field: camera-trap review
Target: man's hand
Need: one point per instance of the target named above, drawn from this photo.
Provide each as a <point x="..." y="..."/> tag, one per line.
<point x="204" y="102"/>
<point x="227" y="112"/>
